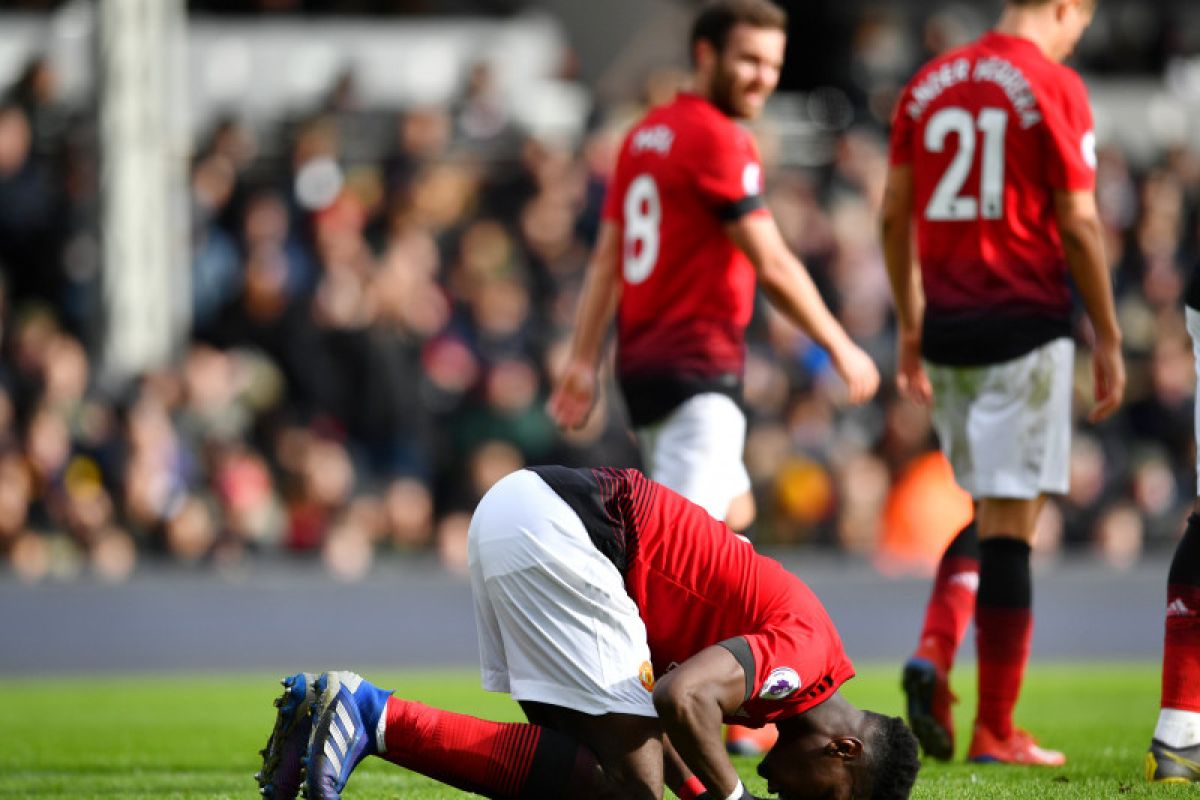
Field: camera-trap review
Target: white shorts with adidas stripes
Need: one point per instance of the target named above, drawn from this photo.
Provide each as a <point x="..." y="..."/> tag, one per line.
<point x="555" y="623"/>
<point x="1006" y="428"/>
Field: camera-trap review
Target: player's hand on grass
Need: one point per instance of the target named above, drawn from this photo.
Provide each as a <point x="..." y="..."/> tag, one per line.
<point x="573" y="397"/>
<point x="857" y="370"/>
<point x="911" y="378"/>
<point x="1108" y="373"/>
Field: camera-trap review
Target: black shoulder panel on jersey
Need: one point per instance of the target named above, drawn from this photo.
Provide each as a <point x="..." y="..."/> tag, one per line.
<point x="581" y="489"/>
<point x="739" y="209"/>
<point x="741" y="651"/>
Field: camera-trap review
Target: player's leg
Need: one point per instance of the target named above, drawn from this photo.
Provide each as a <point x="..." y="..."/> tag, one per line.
<point x="1003" y="630"/>
<point x="1174" y="754"/>
<point x="1005" y="429"/>
<point x="1021" y="422"/>
<point x="517" y="761"/>
<point x="697" y="451"/>
<point x="559" y="632"/>
<point x="926" y="678"/>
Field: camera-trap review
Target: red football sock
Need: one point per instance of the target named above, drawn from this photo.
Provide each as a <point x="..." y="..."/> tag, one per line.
<point x="495" y="759"/>
<point x="952" y="601"/>
<point x="1181" y="650"/>
<point x="1003" y="629"/>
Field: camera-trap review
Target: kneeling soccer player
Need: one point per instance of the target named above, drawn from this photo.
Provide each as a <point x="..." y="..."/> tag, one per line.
<point x="629" y="625"/>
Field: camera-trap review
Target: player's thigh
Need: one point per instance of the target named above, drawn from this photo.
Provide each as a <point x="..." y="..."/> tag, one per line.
<point x="628" y="747"/>
<point x="697" y="451"/>
<point x="560" y="624"/>
<point x="1005" y="428"/>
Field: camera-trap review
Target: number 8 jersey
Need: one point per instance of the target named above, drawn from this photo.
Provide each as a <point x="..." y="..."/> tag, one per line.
<point x="683" y="172"/>
<point x="991" y="131"/>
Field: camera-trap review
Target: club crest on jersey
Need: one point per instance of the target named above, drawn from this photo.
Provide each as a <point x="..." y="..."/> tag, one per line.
<point x="782" y="682"/>
<point x="646" y="676"/>
<point x="752" y="180"/>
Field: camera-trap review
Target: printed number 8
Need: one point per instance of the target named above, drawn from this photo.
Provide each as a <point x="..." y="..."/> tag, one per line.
<point x="643" y="215"/>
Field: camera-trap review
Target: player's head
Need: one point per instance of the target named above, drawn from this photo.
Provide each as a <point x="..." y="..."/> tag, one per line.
<point x="737" y="50"/>
<point x="876" y="761"/>
<point x="1062" y="21"/>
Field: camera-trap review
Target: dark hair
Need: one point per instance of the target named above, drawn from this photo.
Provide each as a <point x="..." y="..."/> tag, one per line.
<point x="719" y="17"/>
<point x="892" y="757"/>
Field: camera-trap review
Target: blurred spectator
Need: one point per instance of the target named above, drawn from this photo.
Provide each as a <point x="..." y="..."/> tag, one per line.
<point x="379" y="298"/>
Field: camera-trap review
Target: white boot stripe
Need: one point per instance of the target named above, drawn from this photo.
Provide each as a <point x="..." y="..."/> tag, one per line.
<point x="333" y="756"/>
<point x="338" y="739"/>
<point x="347" y="723"/>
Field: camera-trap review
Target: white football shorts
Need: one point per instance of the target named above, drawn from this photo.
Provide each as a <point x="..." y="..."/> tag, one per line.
<point x="697" y="452"/>
<point x="554" y="620"/>
<point x="1193" y="326"/>
<point x="1006" y="428"/>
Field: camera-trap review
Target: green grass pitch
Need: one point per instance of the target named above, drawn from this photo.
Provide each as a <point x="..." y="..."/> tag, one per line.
<point x="194" y="737"/>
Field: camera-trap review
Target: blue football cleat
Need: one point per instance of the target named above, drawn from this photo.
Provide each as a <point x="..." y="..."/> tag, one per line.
<point x="282" y="768"/>
<point x="345" y="717"/>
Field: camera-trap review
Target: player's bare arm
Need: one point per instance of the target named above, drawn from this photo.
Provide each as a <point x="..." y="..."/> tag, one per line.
<point x="1082" y="236"/>
<point x="691" y="700"/>
<point x="905" y="278"/>
<point x="791" y="290"/>
<point x="575" y="393"/>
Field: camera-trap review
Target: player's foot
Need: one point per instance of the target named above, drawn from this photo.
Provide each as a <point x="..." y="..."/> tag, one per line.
<point x="282" y="771"/>
<point x="741" y="741"/>
<point x="346" y="714"/>
<point x="928" y="700"/>
<point x="1172" y="764"/>
<point x="1019" y="748"/>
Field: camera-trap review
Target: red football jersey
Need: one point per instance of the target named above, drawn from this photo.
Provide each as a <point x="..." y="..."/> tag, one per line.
<point x="991" y="131"/>
<point x="697" y="583"/>
<point x="687" y="292"/>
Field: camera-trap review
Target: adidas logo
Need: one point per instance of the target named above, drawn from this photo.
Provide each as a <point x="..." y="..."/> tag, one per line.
<point x="1176" y="608"/>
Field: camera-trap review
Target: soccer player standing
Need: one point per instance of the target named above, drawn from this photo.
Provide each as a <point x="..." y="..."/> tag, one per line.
<point x="993" y="167"/>
<point x="685" y="238"/>
<point x="1174" y="755"/>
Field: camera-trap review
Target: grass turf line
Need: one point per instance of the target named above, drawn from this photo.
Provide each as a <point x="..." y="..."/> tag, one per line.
<point x="199" y="736"/>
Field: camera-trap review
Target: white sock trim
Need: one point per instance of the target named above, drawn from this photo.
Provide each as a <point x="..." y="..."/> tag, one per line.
<point x="381" y="732"/>
<point x="1178" y="728"/>
<point x="738" y="791"/>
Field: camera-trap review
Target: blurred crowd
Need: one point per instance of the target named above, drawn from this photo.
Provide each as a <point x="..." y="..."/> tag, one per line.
<point x="381" y="300"/>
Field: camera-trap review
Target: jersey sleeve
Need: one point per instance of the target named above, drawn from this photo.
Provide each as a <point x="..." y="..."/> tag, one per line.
<point x="900" y="140"/>
<point x="1070" y="136"/>
<point x="728" y="174"/>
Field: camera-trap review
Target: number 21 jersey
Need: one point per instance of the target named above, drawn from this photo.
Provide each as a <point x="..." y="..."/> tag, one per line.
<point x="687" y="296"/>
<point x="991" y="131"/>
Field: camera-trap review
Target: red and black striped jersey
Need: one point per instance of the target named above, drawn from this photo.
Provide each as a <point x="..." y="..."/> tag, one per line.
<point x="698" y="584"/>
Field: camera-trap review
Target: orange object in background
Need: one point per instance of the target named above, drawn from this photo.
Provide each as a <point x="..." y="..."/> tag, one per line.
<point x="924" y="510"/>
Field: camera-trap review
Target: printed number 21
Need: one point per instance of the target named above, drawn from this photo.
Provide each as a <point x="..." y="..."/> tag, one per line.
<point x="947" y="202"/>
